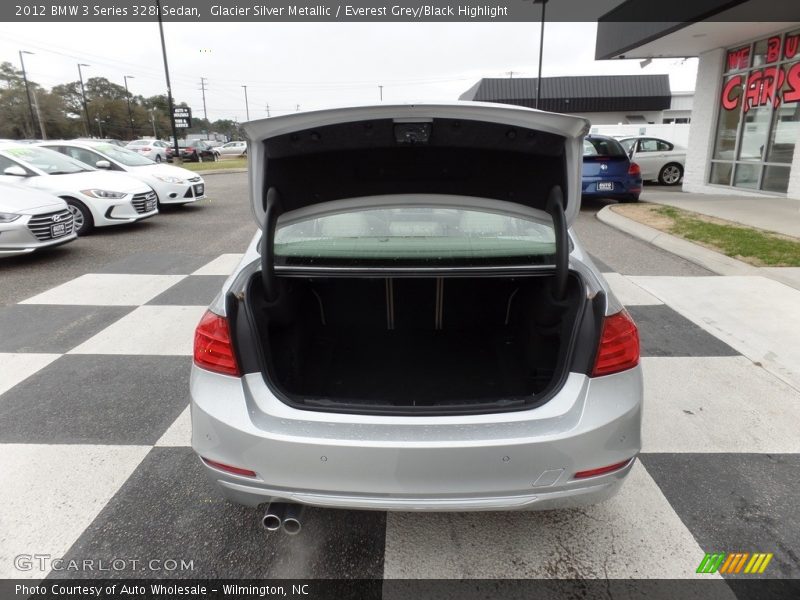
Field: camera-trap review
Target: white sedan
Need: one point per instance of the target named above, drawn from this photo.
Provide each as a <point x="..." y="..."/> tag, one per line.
<point x="232" y="149"/>
<point x="155" y="150"/>
<point x="31" y="220"/>
<point x="95" y="198"/>
<point x="172" y="185"/>
<point x="658" y="159"/>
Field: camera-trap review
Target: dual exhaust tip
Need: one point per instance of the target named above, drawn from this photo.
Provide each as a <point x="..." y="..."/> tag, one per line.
<point x="283" y="515"/>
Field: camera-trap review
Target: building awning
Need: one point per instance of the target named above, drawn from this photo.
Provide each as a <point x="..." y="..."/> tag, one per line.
<point x="586" y="94"/>
<point x="635" y="29"/>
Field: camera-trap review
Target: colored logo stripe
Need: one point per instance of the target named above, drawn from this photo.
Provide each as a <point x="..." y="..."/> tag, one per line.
<point x="758" y="563"/>
<point x="734" y="562"/>
<point x="711" y="562"/>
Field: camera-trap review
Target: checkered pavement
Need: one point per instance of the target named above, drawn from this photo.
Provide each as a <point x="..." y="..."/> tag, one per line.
<point x="94" y="440"/>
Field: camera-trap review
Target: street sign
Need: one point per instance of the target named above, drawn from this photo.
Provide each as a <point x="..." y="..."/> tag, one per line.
<point x="183" y="117"/>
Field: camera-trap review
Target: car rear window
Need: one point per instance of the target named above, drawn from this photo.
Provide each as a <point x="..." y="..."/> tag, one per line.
<point x="415" y="236"/>
<point x="602" y="147"/>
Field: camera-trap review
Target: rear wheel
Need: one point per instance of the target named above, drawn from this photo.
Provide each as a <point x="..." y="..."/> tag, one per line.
<point x="670" y="174"/>
<point x="82" y="216"/>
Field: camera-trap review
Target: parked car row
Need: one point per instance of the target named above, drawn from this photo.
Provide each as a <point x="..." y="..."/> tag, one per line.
<point x="53" y="191"/>
<point x="191" y="150"/>
<point x="615" y="168"/>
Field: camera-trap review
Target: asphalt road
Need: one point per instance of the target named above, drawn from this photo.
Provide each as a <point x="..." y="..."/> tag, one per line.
<point x="94" y="429"/>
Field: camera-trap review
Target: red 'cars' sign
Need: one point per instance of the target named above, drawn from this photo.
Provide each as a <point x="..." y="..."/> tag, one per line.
<point x="766" y="85"/>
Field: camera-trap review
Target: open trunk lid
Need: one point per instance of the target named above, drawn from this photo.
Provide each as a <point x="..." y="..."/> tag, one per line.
<point x="523" y="158"/>
<point x="466" y="149"/>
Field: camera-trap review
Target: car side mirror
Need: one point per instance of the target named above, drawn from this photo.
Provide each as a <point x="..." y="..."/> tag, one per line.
<point x="102" y="164"/>
<point x="15" y="171"/>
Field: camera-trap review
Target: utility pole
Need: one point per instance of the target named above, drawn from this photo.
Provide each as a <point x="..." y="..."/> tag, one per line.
<point x="267" y="109"/>
<point x="128" y="98"/>
<point x="380" y="90"/>
<point x="205" y="112"/>
<point x="39" y="115"/>
<point x="153" y="121"/>
<point x="297" y="109"/>
<point x="28" y="92"/>
<point x="177" y="156"/>
<point x="85" y="105"/>
<point x="246" y="104"/>
<point x="541" y="51"/>
<point x="510" y="74"/>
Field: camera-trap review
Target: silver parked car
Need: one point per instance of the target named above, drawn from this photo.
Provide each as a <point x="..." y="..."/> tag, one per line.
<point x="416" y="326"/>
<point x="155" y="150"/>
<point x="232" y="149"/>
<point x="31" y="220"/>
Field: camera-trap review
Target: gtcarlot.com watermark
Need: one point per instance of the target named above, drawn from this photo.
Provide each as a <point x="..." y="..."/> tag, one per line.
<point x="47" y="563"/>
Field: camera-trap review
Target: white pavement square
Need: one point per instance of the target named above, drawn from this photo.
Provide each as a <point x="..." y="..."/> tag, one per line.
<point x="757" y="316"/>
<point x="717" y="404"/>
<point x="95" y="289"/>
<point x="180" y="432"/>
<point x="636" y="534"/>
<point x="628" y="292"/>
<point x="46" y="512"/>
<point x="224" y="264"/>
<point x="15" y="368"/>
<point x="151" y="330"/>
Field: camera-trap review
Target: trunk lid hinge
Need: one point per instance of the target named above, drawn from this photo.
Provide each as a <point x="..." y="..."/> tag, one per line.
<point x="272" y="212"/>
<point x="555" y="207"/>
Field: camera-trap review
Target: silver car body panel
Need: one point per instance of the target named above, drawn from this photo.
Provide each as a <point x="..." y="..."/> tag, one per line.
<point x="517" y="460"/>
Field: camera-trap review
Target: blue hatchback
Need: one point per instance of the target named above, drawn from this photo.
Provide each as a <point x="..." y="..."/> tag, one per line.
<point x="608" y="171"/>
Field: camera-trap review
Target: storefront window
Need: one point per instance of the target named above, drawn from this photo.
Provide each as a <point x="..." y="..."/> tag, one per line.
<point x="746" y="176"/>
<point x="754" y="133"/>
<point x="785" y="125"/>
<point x="729" y="116"/>
<point x="721" y="173"/>
<point x="759" y="116"/>
<point x="776" y="179"/>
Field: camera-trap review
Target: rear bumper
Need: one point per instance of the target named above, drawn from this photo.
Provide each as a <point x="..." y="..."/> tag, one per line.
<point x="507" y="461"/>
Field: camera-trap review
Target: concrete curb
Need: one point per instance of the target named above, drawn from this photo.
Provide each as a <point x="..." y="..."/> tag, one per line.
<point x="219" y="171"/>
<point x="713" y="261"/>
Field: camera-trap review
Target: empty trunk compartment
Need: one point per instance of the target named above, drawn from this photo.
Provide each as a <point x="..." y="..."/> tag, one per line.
<point x="417" y="344"/>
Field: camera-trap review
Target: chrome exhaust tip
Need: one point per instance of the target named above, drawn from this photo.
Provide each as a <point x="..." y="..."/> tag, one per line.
<point x="292" y="520"/>
<point x="273" y="517"/>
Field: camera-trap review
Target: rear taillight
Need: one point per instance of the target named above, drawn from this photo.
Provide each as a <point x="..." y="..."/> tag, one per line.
<point x="602" y="470"/>
<point x="634" y="169"/>
<point x="619" y="345"/>
<point x="213" y="349"/>
<point x="228" y="468"/>
<point x="146" y="149"/>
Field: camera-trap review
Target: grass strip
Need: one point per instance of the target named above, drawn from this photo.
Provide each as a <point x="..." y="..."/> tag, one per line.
<point x="759" y="247"/>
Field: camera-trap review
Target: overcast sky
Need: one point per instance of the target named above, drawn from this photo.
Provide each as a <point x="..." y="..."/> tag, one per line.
<point x="313" y="65"/>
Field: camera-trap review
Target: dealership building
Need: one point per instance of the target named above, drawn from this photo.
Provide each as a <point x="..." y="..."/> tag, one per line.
<point x="603" y="99"/>
<point x="744" y="136"/>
